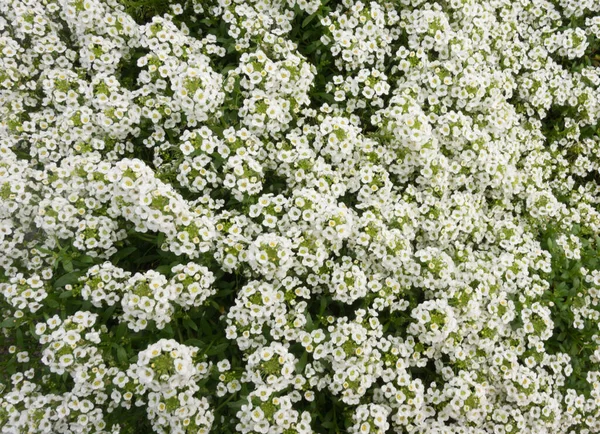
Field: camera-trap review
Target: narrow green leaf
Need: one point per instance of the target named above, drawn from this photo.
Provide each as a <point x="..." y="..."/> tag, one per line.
<point x="121" y="329"/>
<point x="108" y="313"/>
<point x="217" y="349"/>
<point x="68" y="279"/>
<point x="302" y="363"/>
<point x="190" y="324"/>
<point x="195" y="342"/>
<point x="122" y="354"/>
<point x="123" y="253"/>
<point x="308" y="19"/>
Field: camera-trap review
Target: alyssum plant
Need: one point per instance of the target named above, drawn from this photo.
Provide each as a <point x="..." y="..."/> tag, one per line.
<point x="298" y="216"/>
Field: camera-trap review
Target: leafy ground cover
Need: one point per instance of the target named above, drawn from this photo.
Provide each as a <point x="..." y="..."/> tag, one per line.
<point x="299" y="216"/>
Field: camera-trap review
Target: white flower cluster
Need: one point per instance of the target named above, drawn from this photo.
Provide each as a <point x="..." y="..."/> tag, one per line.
<point x="28" y="408"/>
<point x="69" y="345"/>
<point x="374" y="197"/>
<point x="23" y="293"/>
<point x="370" y="418"/>
<point x="147" y="296"/>
<point x="361" y="34"/>
<point x="265" y="414"/>
<point x="274" y="91"/>
<point x="164" y="379"/>
<point x="176" y="78"/>
<point x="167" y="372"/>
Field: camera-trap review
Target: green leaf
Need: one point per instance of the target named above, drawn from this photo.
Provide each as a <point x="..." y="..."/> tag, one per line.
<point x="52" y="303"/>
<point x="187" y="322"/>
<point x="308" y="19"/>
<point x="121" y="329"/>
<point x="196" y="343"/>
<point x="108" y="313"/>
<point x="237" y="404"/>
<point x="44" y="250"/>
<point x="7" y="323"/>
<point x="68" y="265"/>
<point x="326" y="96"/>
<point x="85" y="259"/>
<point x="309" y="321"/>
<point x="302" y="363"/>
<point x="167" y="331"/>
<point x="68" y="279"/>
<point x="205" y="327"/>
<point x="217" y="349"/>
<point x="312" y="47"/>
<point x="323" y="305"/>
<point x="164" y="269"/>
<point x="122" y="355"/>
<point x="19" y="338"/>
<point x="123" y="253"/>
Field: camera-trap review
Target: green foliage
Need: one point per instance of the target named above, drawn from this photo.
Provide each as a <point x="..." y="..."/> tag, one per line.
<point x="567" y="288"/>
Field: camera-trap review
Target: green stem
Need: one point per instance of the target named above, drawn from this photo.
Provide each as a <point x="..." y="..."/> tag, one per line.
<point x="225" y="402"/>
<point x="181" y="340"/>
<point x="208" y="348"/>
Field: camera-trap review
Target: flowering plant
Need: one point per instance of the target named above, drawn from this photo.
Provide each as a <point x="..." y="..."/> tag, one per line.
<point x="300" y="216"/>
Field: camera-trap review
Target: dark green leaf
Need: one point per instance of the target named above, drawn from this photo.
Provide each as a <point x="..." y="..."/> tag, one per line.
<point x="121" y="329"/>
<point x="308" y="19"/>
<point x="108" y="313"/>
<point x="217" y="349"/>
<point x="302" y="363"/>
<point x="122" y="254"/>
<point x="195" y="342"/>
<point x="122" y="354"/>
<point x="19" y="338"/>
<point x="68" y="279"/>
<point x="167" y="331"/>
<point x="190" y="324"/>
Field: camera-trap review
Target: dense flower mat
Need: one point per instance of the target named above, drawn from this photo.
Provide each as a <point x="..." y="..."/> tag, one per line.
<point x="299" y="216"/>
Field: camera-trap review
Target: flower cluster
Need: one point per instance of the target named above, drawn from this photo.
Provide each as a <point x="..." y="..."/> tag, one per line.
<point x="274" y="90"/>
<point x="148" y="296"/>
<point x="69" y="345"/>
<point x="361" y="34"/>
<point x="168" y="374"/>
